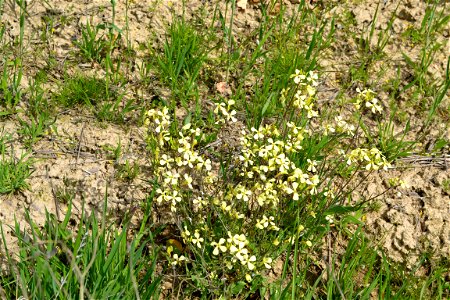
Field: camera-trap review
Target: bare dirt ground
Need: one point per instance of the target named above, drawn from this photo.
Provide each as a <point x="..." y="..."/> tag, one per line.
<point x="77" y="158"/>
<point x="413" y="220"/>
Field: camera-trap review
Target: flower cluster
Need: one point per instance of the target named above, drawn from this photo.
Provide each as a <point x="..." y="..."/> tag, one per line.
<point x="176" y="171"/>
<point x="176" y="259"/>
<point x="340" y="126"/>
<point x="267" y="223"/>
<point x="185" y="176"/>
<point x="343" y="126"/>
<point x="265" y="160"/>
<point x="233" y="249"/>
<point x="225" y="112"/>
<point x="234" y="213"/>
<point x="305" y="93"/>
<point x="368" y="97"/>
<point x="268" y="175"/>
<point x="372" y="158"/>
<point x="161" y="121"/>
<point x="236" y="248"/>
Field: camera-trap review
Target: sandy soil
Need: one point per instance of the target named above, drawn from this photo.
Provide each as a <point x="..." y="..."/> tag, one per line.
<point x="413" y="220"/>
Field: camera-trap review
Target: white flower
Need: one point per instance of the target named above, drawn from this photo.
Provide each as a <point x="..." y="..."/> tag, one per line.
<point x="267" y="261"/>
<point x="178" y="259"/>
<point x="298" y="76"/>
<point x="165" y="160"/>
<point x="374" y="106"/>
<point x="197" y="240"/>
<point x="329" y="218"/>
<point x="188" y="180"/>
<point x="219" y="246"/>
<point x="312" y="165"/>
<point x="250" y="261"/>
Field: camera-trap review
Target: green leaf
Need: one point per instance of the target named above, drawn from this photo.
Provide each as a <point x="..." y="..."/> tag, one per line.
<point x="349" y="219"/>
<point x="340" y="209"/>
<point x="237" y="287"/>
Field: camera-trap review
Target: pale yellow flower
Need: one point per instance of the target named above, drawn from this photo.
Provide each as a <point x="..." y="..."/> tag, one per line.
<point x="219" y="246"/>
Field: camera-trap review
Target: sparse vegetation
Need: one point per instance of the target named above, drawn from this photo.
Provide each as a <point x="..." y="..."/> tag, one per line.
<point x="81" y="90"/>
<point x="13" y="171"/>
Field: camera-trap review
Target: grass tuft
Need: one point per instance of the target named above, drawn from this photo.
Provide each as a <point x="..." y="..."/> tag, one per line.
<point x="13" y="172"/>
<point x="94" y="260"/>
<point x="81" y="90"/>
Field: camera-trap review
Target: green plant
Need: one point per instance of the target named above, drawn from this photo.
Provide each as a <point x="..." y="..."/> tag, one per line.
<point x="37" y="103"/>
<point x="114" y="153"/>
<point x="82" y="90"/>
<point x="13" y="172"/>
<point x="92" y="46"/>
<point x="372" y="53"/>
<point x="10" y="89"/>
<point x="12" y="71"/>
<point x="52" y="21"/>
<point x="182" y="60"/>
<point x="441" y="93"/>
<point x="34" y="130"/>
<point x="98" y="94"/>
<point x="116" y="111"/>
<point x="361" y="272"/>
<point x="268" y="199"/>
<point x="65" y="194"/>
<point x="446" y="185"/>
<point x="281" y="49"/>
<point x="432" y="22"/>
<point x="95" y="260"/>
<point x="392" y="145"/>
<point x="38" y="115"/>
<point x="128" y="171"/>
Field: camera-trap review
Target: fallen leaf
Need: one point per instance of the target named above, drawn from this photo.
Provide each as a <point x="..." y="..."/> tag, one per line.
<point x="176" y="244"/>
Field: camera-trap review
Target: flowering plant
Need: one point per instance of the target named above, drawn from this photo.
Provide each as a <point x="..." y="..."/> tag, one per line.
<point x="236" y="218"/>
